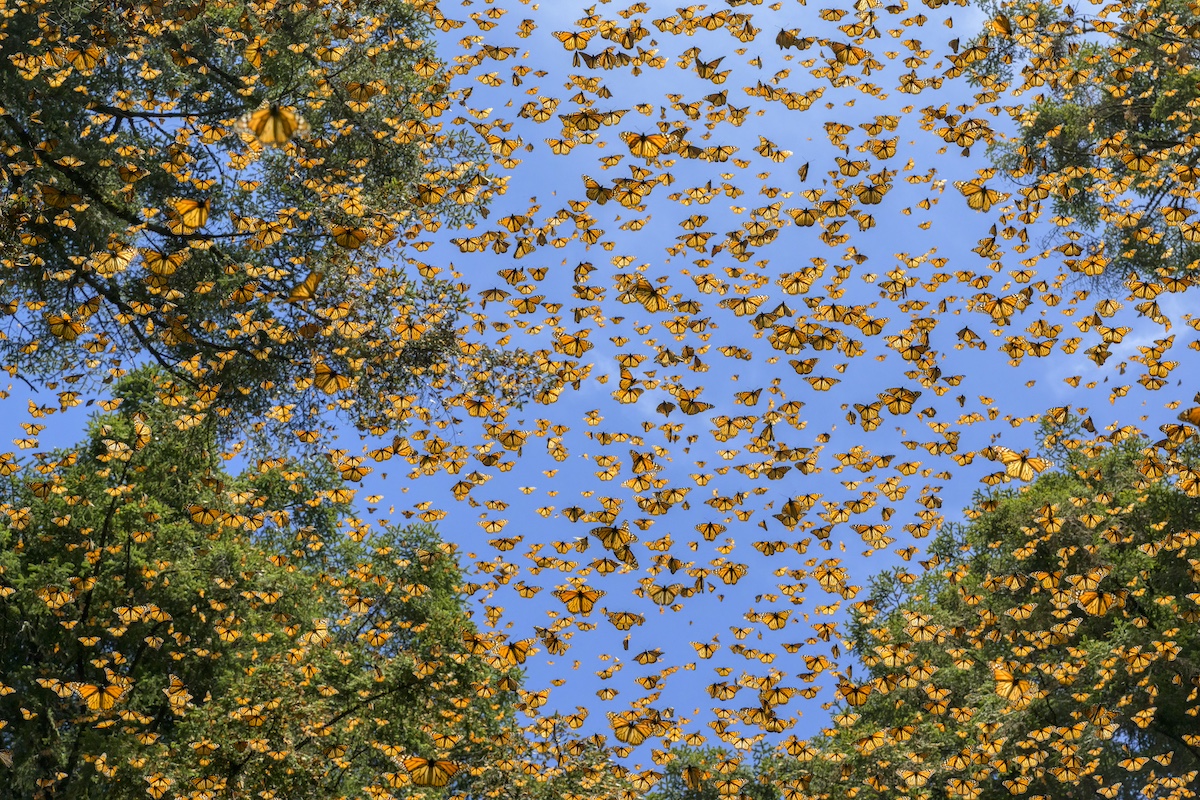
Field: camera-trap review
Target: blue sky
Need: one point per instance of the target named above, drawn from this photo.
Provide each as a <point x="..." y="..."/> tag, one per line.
<point x="539" y="487"/>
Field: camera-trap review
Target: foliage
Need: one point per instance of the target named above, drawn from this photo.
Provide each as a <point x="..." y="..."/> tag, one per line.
<point x="167" y="627"/>
<point x="1109" y="136"/>
<point x="711" y="773"/>
<point x="1045" y="640"/>
<point x="221" y="188"/>
<point x="562" y="766"/>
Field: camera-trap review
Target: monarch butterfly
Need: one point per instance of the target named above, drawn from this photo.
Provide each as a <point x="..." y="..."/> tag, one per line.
<point x="244" y="294"/>
<point x="915" y="779"/>
<point x="430" y="194"/>
<point x="822" y="383"/>
<point x="554" y="644"/>
<point x="349" y="238"/>
<point x="594" y="191"/>
<point x="1022" y="611"/>
<point x="141" y="430"/>
<point x="445" y="740"/>
<point x="100" y="698"/>
<point x="693" y="777"/>
<point x="108" y="262"/>
<point x="85" y="60"/>
<point x="741" y="306"/>
<point x="854" y="695"/>
<point x="57" y="198"/>
<point x="426" y="772"/>
<point x="663" y="595"/>
<point x="612" y="537"/>
<point x="868" y="744"/>
<point x="64" y="327"/>
<point x="476" y="407"/>
<point x="306" y="289"/>
<point x="646" y="145"/>
<point x="708" y="70"/>
<point x="575" y="345"/>
<point x="643" y="292"/>
<point x="632" y="732"/>
<point x="579" y="601"/>
<point x="360" y="95"/>
<point x="206" y="783"/>
<point x="353" y="472"/>
<point x="58" y="687"/>
<point x="884" y="148"/>
<point x="900" y="400"/>
<point x="649" y="656"/>
<point x="331" y="54"/>
<point x="775" y="620"/>
<point x="1007" y="684"/>
<point x="515" y="653"/>
<point x="560" y="147"/>
<point x="847" y="53"/>
<point x="190" y="215"/>
<point x="624" y="620"/>
<point x="1139" y="161"/>
<point x="583" y="121"/>
<point x="979" y="197"/>
<point x="177" y="694"/>
<point x="1098" y="603"/>
<point x="329" y="381"/>
<point x="162" y="264"/>
<point x="573" y="40"/>
<point x="273" y="124"/>
<point x="1190" y="415"/>
<point x="835" y="208"/>
<point x="203" y="516"/>
<point x="1021" y="466"/>
<point x="871" y="194"/>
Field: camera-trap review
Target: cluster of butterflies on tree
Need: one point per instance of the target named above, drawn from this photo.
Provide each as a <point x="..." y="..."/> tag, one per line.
<point x="272" y="236"/>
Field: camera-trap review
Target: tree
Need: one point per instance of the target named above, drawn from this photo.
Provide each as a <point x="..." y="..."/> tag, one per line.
<point x="561" y="767"/>
<point x="167" y="627"/>
<point x="1109" y="137"/>
<point x="214" y="187"/>
<point x="1049" y="648"/>
<point x="714" y="773"/>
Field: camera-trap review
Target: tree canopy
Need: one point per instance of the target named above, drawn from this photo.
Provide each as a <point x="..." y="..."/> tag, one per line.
<point x="709" y="773"/>
<point x="169" y="627"/>
<point x="1110" y="136"/>
<point x="1045" y="649"/>
<point x="214" y="187"/>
